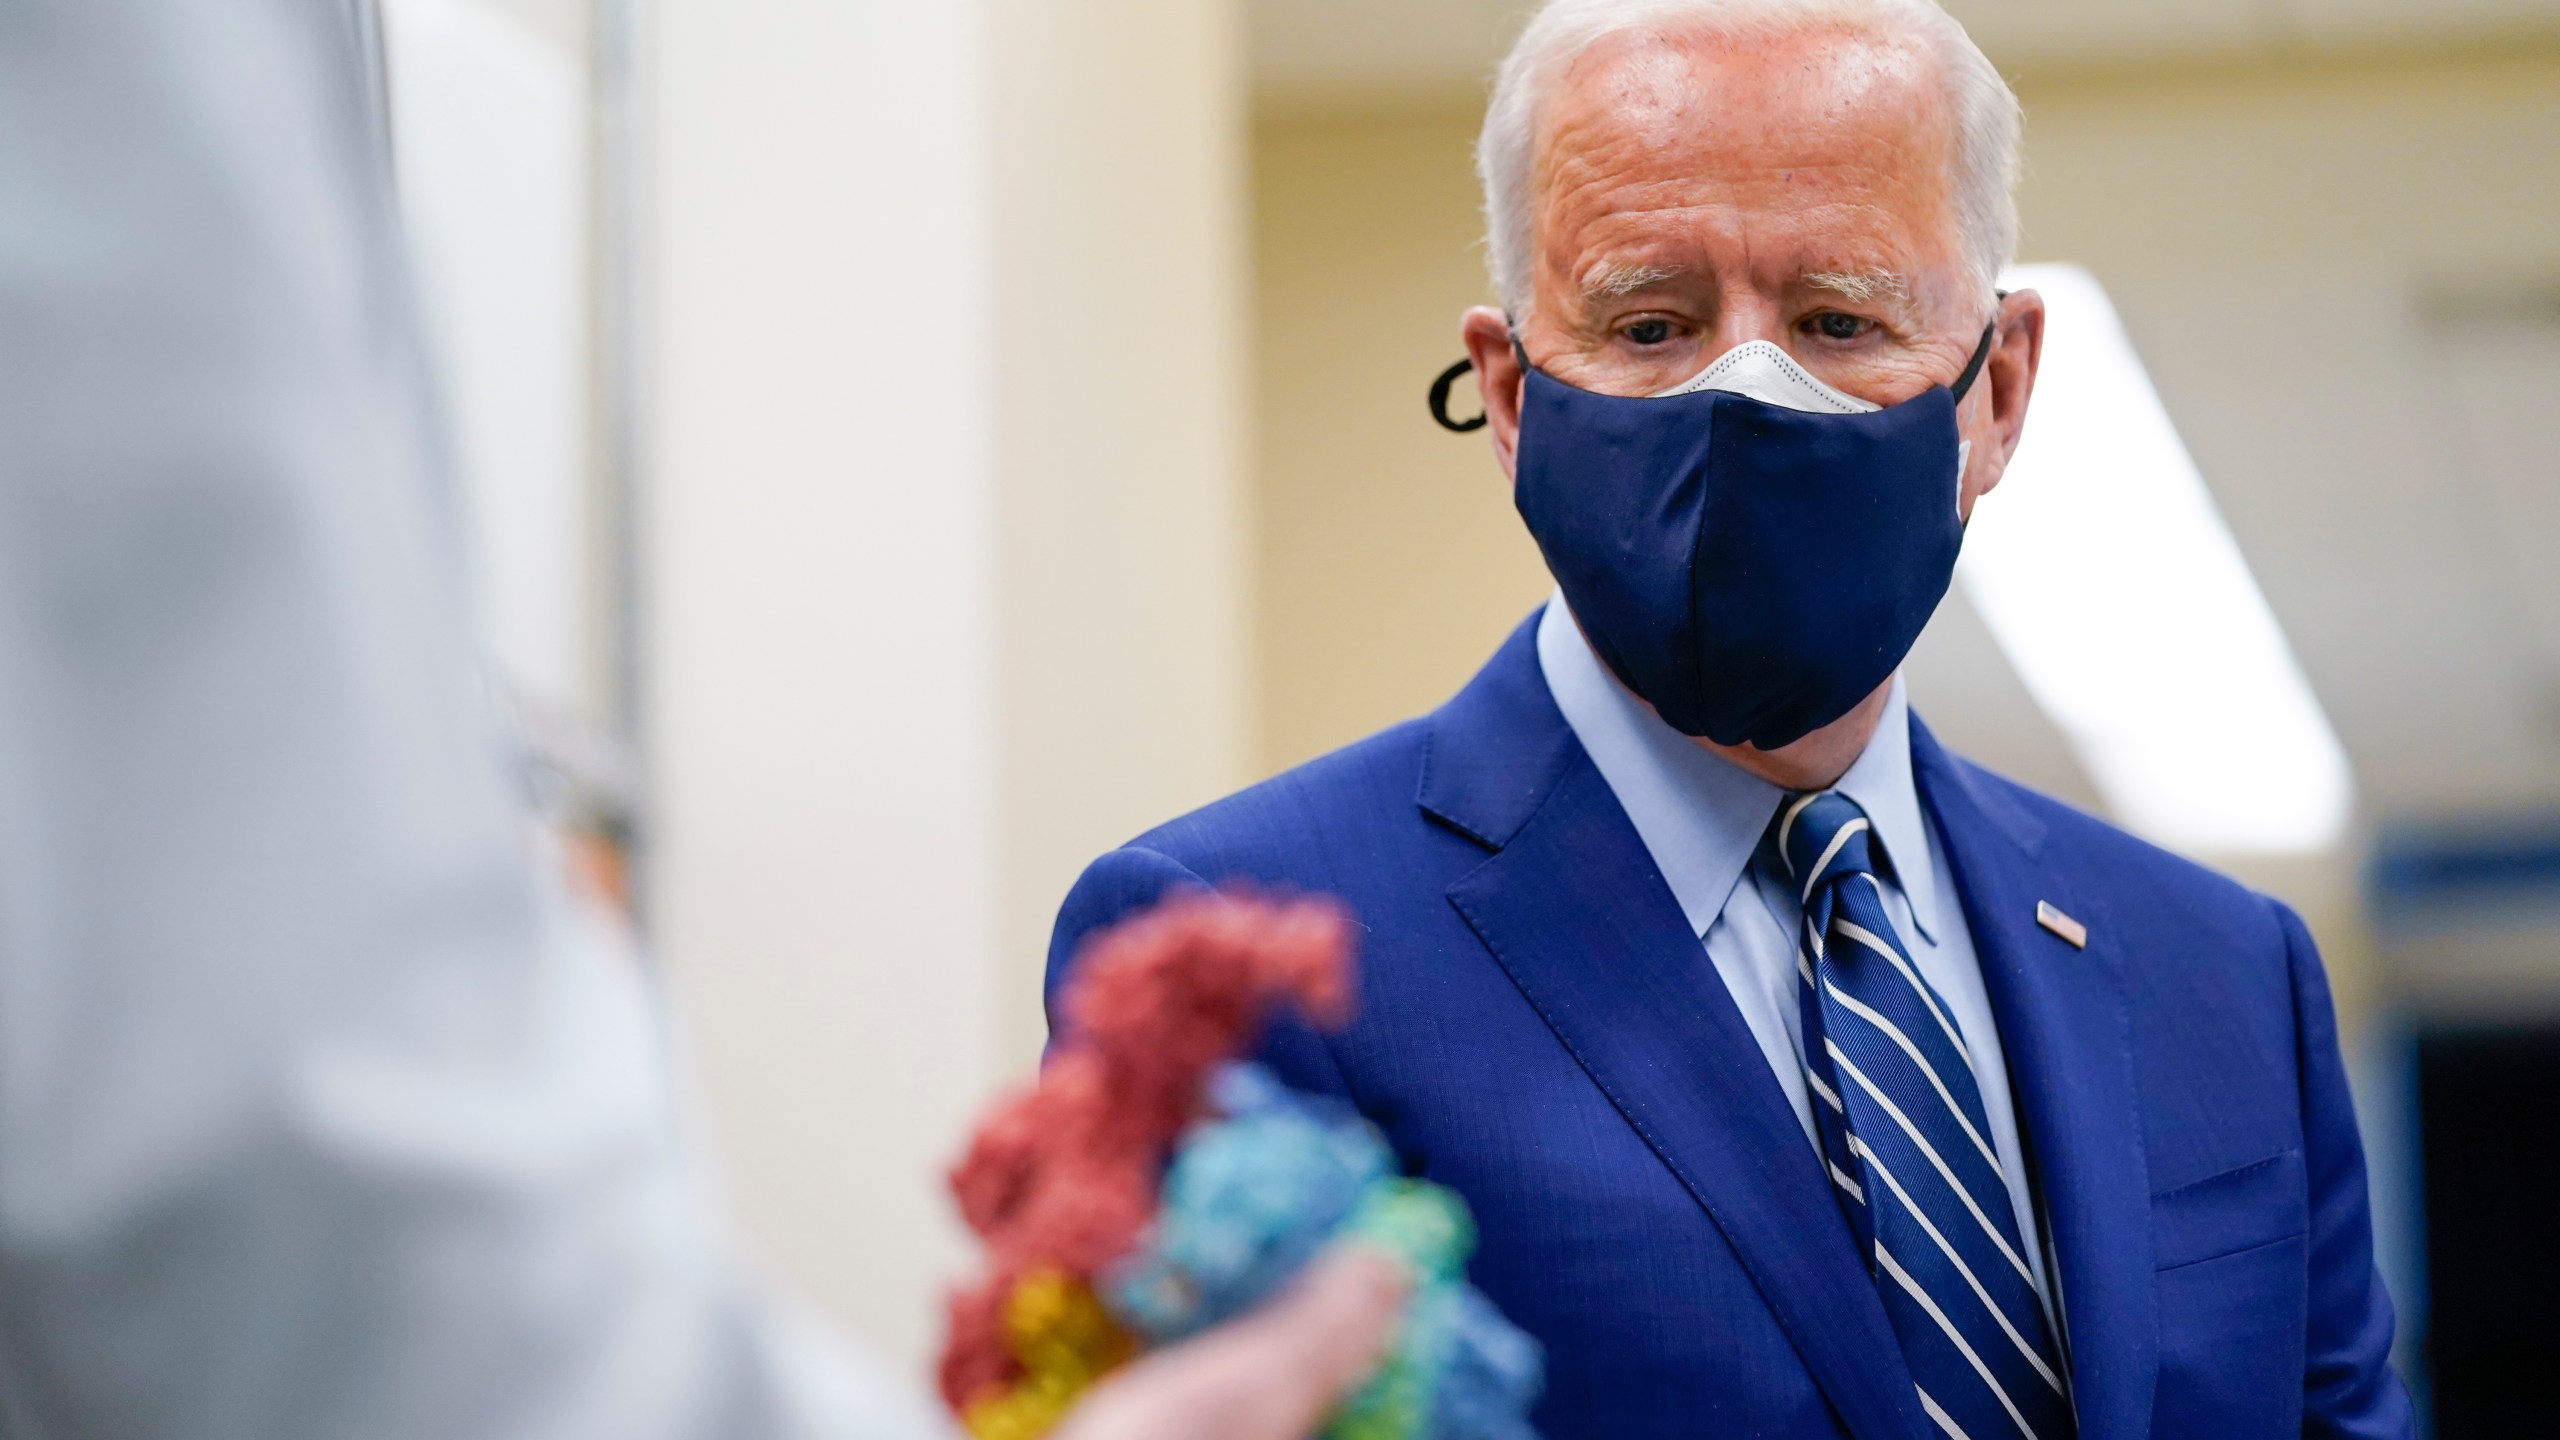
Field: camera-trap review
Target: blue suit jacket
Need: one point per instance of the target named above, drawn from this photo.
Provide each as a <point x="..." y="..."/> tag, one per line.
<point x="1539" y="1029"/>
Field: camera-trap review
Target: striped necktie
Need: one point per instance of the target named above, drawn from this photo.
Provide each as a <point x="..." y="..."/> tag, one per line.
<point x="1908" y="1147"/>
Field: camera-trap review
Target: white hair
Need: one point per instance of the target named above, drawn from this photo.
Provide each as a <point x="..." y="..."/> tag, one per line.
<point x="1987" y="119"/>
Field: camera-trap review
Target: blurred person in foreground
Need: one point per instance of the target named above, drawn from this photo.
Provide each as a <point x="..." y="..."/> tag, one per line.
<point x="1805" y="1079"/>
<point x="319" y="1115"/>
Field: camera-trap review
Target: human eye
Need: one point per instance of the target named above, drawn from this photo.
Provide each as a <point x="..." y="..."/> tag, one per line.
<point x="1649" y="332"/>
<point x="1837" y="327"/>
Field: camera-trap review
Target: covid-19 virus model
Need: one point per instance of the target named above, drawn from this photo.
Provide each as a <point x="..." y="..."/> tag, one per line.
<point x="1150" y="1185"/>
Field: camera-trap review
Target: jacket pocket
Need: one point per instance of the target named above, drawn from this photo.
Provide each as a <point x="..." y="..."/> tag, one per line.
<point x="2230" y="1291"/>
<point x="2239" y="1209"/>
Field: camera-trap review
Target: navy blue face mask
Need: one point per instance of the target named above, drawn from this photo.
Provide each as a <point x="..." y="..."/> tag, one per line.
<point x="1752" y="570"/>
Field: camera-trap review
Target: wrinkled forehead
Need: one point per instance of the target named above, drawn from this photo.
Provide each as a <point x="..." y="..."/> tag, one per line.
<point x="1789" y="128"/>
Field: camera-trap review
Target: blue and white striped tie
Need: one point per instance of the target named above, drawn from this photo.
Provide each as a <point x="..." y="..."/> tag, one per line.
<point x="1908" y="1147"/>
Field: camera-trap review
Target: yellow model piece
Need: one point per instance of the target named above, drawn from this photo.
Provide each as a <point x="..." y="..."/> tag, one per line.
<point x="1065" y="1341"/>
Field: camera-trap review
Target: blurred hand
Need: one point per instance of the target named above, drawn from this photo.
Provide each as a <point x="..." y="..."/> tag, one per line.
<point x="1271" y="1375"/>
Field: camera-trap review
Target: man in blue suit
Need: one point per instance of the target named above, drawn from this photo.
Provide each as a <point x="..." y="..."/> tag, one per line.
<point x="1806" y="1080"/>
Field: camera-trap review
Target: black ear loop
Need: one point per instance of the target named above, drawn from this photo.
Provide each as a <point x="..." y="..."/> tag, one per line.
<point x="1981" y="354"/>
<point x="1440" y="399"/>
<point x="1964" y="382"/>
<point x="1449" y="377"/>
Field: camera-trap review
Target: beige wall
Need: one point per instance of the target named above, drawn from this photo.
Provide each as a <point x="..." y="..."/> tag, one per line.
<point x="941" y="556"/>
<point x="1390" y="560"/>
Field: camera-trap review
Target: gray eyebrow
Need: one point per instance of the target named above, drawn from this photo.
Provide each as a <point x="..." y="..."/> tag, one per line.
<point x="1611" y="279"/>
<point x="1861" y="286"/>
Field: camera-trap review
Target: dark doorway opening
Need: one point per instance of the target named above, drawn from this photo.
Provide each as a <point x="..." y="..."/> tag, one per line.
<point x="2489" y="1126"/>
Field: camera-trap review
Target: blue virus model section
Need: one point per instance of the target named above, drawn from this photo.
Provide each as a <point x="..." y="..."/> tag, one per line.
<point x="1251" y="1197"/>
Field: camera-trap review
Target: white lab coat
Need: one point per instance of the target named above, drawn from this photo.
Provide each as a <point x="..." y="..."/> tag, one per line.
<point x="319" y="1116"/>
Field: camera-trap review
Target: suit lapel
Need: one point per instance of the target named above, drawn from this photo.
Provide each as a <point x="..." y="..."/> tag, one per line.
<point x="1572" y="908"/>
<point x="2065" y="1026"/>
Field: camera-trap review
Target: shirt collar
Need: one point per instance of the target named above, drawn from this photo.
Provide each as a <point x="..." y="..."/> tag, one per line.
<point x="1701" y="817"/>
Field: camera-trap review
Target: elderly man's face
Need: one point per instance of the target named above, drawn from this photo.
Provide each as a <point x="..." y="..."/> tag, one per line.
<point x="1694" y="194"/>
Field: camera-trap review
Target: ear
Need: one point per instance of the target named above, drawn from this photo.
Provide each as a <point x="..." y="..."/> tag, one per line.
<point x="1487" y="334"/>
<point x="1998" y="402"/>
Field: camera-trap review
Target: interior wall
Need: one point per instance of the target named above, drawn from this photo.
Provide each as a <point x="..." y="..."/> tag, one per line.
<point x="1118" y="275"/>
<point x="820" y="558"/>
<point x="941" y="570"/>
<point x="1390" y="561"/>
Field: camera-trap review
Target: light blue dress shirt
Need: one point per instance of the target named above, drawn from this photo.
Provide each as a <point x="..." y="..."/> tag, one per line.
<point x="1702" y="819"/>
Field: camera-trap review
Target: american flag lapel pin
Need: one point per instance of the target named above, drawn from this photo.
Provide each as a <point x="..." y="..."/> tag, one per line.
<point x="2063" y="925"/>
